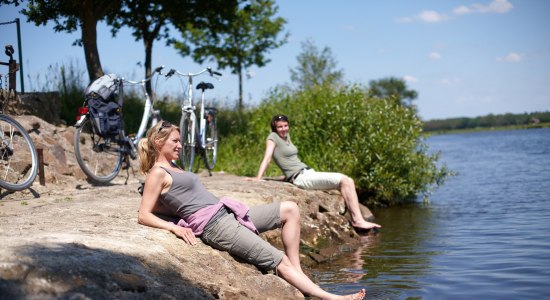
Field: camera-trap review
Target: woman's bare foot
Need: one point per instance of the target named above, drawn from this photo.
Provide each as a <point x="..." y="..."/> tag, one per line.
<point x="357" y="296"/>
<point x="364" y="225"/>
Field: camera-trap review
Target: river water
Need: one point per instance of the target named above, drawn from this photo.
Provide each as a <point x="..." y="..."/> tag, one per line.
<point x="485" y="234"/>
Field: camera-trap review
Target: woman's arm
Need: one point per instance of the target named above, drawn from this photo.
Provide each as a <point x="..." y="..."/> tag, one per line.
<point x="269" y="149"/>
<point x="155" y="181"/>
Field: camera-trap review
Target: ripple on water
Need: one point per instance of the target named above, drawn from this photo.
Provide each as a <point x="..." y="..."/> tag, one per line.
<point x="484" y="234"/>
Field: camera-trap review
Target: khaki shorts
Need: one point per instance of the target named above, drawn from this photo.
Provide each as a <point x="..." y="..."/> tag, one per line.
<point x="227" y="234"/>
<point x="311" y="180"/>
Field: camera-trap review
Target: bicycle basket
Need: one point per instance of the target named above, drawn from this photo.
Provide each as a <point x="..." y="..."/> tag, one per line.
<point x="105" y="115"/>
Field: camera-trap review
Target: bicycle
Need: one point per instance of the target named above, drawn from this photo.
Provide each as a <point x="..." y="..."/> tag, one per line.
<point x="101" y="157"/>
<point x="18" y="155"/>
<point x="202" y="139"/>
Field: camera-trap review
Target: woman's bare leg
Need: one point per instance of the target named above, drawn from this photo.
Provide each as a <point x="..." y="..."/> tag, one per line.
<point x="347" y="188"/>
<point x="290" y="220"/>
<point x="299" y="280"/>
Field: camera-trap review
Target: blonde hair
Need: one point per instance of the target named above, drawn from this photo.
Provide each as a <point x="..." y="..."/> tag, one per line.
<point x="148" y="152"/>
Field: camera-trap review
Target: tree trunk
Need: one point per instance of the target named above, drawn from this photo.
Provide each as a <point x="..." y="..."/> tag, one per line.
<point x="148" y="62"/>
<point x="89" y="40"/>
<point x="240" y="73"/>
<point x="148" y="41"/>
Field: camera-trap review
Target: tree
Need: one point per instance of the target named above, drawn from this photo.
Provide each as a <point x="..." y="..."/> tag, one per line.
<point x="242" y="42"/>
<point x="70" y="15"/>
<point x="146" y="19"/>
<point x="149" y="21"/>
<point x="392" y="87"/>
<point x="315" y="68"/>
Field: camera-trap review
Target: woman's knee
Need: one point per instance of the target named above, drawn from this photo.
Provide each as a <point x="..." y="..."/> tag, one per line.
<point x="347" y="181"/>
<point x="285" y="265"/>
<point x="289" y="210"/>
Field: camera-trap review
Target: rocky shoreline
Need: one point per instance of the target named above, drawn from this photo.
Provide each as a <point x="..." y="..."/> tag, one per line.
<point x="69" y="239"/>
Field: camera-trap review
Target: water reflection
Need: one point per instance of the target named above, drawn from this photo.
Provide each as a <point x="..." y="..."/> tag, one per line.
<point x="484" y="234"/>
<point x="390" y="261"/>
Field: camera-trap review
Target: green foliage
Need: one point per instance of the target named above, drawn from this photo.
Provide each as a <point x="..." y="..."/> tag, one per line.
<point x="133" y="111"/>
<point x="392" y="87"/>
<point x="69" y="82"/>
<point x="72" y="15"/>
<point x="242" y="42"/>
<point x="375" y="141"/>
<point x="315" y="68"/>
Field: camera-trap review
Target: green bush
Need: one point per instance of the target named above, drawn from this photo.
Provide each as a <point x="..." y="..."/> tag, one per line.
<point x="376" y="142"/>
<point x="69" y="84"/>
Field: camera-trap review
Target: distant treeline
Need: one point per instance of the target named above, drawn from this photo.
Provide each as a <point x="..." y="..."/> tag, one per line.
<point x="525" y="119"/>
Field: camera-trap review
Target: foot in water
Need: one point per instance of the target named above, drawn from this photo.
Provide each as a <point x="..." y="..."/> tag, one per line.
<point x="364" y="226"/>
<point x="357" y="296"/>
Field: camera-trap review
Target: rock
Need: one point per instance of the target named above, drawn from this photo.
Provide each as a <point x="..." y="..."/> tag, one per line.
<point x="70" y="239"/>
<point x="45" y="105"/>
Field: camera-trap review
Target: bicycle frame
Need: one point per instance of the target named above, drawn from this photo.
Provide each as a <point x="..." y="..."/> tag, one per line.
<point x="187" y="103"/>
<point x="148" y="110"/>
<point x="188" y="126"/>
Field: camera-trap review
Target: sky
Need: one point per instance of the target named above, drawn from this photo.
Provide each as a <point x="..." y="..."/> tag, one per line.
<point x="465" y="58"/>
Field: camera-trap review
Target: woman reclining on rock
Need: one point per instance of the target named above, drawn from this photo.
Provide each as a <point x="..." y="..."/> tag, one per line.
<point x="221" y="223"/>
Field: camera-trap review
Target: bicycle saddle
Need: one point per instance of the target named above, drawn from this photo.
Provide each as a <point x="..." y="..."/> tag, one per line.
<point x="204" y="86"/>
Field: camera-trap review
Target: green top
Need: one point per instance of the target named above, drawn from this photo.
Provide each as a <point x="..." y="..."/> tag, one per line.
<point x="285" y="155"/>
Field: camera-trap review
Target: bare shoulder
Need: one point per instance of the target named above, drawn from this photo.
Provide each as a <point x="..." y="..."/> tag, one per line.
<point x="156" y="176"/>
<point x="158" y="180"/>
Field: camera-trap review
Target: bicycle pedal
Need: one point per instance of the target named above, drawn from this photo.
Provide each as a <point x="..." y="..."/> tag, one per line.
<point x="125" y="163"/>
<point x="132" y="151"/>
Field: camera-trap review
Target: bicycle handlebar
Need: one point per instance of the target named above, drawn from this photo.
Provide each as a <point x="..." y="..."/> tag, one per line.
<point x="156" y="70"/>
<point x="189" y="75"/>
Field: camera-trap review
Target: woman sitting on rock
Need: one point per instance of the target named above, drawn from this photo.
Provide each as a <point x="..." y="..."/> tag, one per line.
<point x="280" y="147"/>
<point x="221" y="223"/>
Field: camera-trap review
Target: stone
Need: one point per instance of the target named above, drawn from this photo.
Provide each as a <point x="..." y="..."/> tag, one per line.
<point x="70" y="239"/>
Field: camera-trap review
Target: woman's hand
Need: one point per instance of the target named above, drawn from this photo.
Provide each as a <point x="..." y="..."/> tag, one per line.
<point x="185" y="234"/>
<point x="252" y="179"/>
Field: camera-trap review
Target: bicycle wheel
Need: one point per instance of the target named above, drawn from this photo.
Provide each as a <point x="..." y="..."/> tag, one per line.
<point x="211" y="139"/>
<point x="18" y="157"/>
<point x="99" y="158"/>
<point x="187" y="153"/>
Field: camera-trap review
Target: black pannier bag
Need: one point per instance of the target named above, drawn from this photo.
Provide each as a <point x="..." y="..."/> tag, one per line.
<point x="104" y="109"/>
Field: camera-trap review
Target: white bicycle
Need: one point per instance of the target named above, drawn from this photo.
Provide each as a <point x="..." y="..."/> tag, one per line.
<point x="101" y="157"/>
<point x="204" y="138"/>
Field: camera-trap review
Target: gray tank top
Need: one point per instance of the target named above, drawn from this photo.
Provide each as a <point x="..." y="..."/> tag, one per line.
<point x="286" y="155"/>
<point x="187" y="194"/>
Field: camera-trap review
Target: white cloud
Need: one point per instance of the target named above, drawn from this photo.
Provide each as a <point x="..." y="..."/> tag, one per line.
<point x="496" y="6"/>
<point x="410" y="79"/>
<point x="431" y="16"/>
<point x="511" y="57"/>
<point x="428" y="16"/>
<point x="435" y="56"/>
<point x="462" y="10"/>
